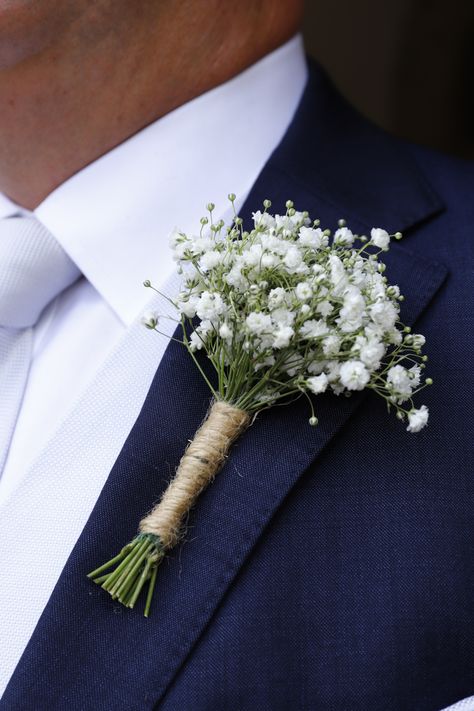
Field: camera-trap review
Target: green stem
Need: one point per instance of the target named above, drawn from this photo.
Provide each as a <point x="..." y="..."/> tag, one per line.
<point x="150" y="591"/>
<point x="111" y="562"/>
<point x="141" y="582"/>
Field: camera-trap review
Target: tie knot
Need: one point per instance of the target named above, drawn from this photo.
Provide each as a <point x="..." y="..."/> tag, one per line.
<point x="34" y="269"/>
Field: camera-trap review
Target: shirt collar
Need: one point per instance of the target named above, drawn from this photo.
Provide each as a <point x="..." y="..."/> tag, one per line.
<point x="113" y="217"/>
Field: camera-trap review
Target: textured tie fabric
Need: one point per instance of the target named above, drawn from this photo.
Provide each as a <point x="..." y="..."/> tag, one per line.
<point x="463" y="705"/>
<point x="34" y="269"/>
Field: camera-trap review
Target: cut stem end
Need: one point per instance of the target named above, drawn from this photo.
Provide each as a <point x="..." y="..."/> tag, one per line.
<point x="133" y="567"/>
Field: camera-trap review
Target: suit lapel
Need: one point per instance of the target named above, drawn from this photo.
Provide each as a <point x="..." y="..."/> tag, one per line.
<point x="88" y="652"/>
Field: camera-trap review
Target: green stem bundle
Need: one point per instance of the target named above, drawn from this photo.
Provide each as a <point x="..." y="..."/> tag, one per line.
<point x="136" y="564"/>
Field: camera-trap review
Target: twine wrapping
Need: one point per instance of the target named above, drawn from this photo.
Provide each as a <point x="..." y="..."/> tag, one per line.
<point x="137" y="563"/>
<point x="202" y="460"/>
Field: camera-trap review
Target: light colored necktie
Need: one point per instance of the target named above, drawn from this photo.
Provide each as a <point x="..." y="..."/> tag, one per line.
<point x="34" y="269"/>
<point x="466" y="704"/>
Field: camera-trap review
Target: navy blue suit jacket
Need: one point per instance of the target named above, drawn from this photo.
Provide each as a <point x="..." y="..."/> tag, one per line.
<point x="328" y="568"/>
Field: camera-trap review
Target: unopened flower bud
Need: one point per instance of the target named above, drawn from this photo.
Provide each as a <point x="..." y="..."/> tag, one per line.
<point x="150" y="319"/>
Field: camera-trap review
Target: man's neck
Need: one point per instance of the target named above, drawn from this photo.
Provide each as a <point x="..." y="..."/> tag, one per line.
<point x="75" y="100"/>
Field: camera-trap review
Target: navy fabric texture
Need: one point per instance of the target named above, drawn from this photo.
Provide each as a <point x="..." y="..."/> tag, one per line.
<point x="325" y="569"/>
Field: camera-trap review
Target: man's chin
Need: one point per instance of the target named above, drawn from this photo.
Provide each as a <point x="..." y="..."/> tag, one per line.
<point x="27" y="27"/>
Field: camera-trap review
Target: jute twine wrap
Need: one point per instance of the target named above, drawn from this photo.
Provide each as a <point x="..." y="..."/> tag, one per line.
<point x="199" y="465"/>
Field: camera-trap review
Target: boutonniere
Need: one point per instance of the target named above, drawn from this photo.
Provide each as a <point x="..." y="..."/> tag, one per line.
<point x="285" y="310"/>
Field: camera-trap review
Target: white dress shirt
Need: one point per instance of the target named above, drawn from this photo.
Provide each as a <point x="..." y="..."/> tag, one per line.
<point x="113" y="219"/>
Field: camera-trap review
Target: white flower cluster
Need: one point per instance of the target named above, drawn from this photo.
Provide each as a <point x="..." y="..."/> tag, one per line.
<point x="290" y="308"/>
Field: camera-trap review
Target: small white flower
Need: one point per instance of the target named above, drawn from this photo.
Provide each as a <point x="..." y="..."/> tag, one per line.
<point x="384" y="313"/>
<point x="284" y="223"/>
<point x="333" y="371"/>
<point x="252" y="256"/>
<point x="283" y="336"/>
<point x="371" y="353"/>
<point x="343" y="236"/>
<point x="283" y="317"/>
<point x="304" y="291"/>
<point x="314" y="238"/>
<point x="225" y="332"/>
<point x="350" y="325"/>
<point x="338" y="274"/>
<point x="376" y="286"/>
<point x="325" y="308"/>
<point x="394" y="336"/>
<point x="331" y="345"/>
<point x="258" y="323"/>
<point x="209" y="260"/>
<point x="318" y="383"/>
<point x="235" y="277"/>
<point x="417" y="419"/>
<point x="415" y="375"/>
<point x="399" y="381"/>
<point x="200" y="245"/>
<point x="188" y="306"/>
<point x="210" y="306"/>
<point x="314" y="328"/>
<point x="265" y="363"/>
<point x="380" y="238"/>
<point x="263" y="219"/>
<point x="354" y="304"/>
<point x="205" y="328"/>
<point x="418" y="341"/>
<point x="271" y="243"/>
<point x="276" y="298"/>
<point x="269" y="260"/>
<point x="176" y="237"/>
<point x="354" y="375"/>
<point x="150" y="319"/>
<point x="180" y="250"/>
<point x="195" y="342"/>
<point x="293" y="258"/>
<point x="299" y="217"/>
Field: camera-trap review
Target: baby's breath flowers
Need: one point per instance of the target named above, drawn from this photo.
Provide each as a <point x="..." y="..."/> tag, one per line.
<point x="289" y="309"/>
<point x="284" y="310"/>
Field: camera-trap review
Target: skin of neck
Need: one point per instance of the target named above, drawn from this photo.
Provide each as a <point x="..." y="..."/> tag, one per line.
<point x="79" y="77"/>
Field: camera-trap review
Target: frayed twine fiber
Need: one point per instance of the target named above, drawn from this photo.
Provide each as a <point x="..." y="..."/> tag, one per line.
<point x="199" y="465"/>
